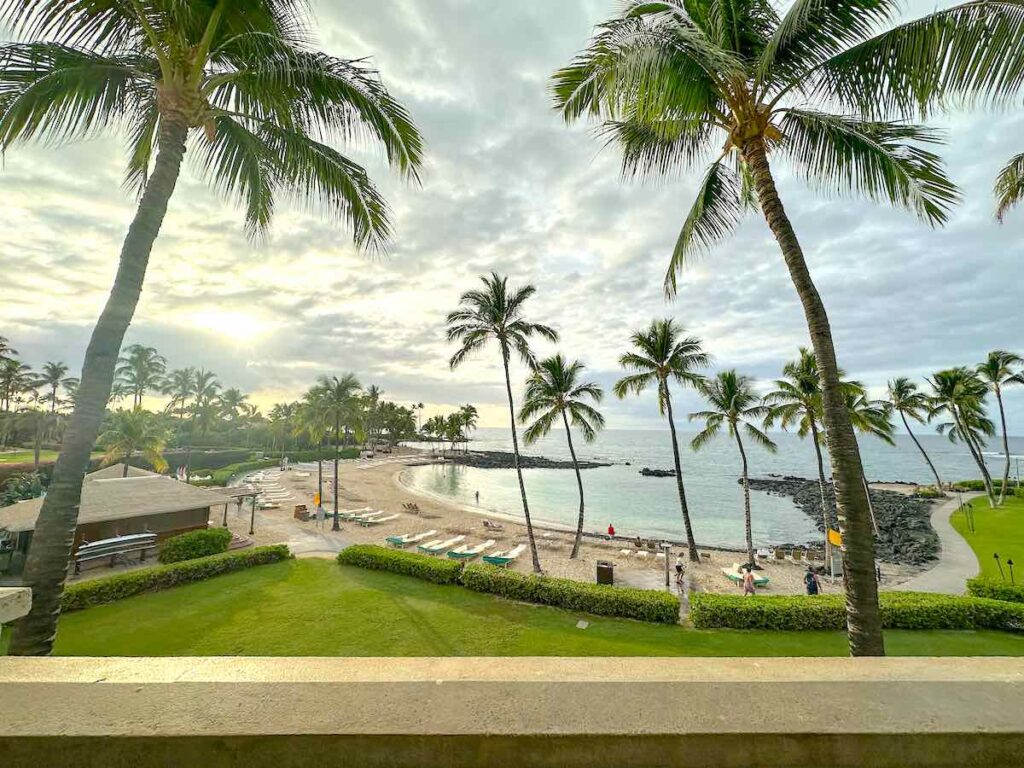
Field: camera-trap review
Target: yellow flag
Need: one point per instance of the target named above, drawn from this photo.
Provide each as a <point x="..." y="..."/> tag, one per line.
<point x="835" y="538"/>
<point x="316" y="499"/>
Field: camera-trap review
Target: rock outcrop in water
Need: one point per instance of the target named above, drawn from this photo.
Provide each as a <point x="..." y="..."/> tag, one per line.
<point x="648" y="472"/>
<point x="905" y="533"/>
<point x="506" y="460"/>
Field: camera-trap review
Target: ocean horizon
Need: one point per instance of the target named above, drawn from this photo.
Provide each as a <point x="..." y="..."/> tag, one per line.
<point x="649" y="506"/>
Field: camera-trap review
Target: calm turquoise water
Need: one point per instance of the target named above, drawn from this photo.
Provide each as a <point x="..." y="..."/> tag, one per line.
<point x="650" y="507"/>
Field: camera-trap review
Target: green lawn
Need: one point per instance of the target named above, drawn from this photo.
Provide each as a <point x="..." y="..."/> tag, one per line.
<point x="28" y="456"/>
<point x="996" y="530"/>
<point x="318" y="608"/>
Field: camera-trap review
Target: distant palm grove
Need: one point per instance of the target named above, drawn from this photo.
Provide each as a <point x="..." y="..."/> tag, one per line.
<point x="837" y="91"/>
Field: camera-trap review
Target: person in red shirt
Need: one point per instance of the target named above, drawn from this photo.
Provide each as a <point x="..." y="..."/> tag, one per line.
<point x="611" y="530"/>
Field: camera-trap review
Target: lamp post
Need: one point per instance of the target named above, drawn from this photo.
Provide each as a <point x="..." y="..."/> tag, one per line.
<point x="995" y="556"/>
<point x="1010" y="564"/>
<point x="667" y="548"/>
<point x="252" y="516"/>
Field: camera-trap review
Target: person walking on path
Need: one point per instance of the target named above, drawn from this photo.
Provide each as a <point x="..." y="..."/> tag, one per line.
<point x="748" y="583"/>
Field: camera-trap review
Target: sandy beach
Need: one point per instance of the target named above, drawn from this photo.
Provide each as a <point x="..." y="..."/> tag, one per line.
<point x="377" y="484"/>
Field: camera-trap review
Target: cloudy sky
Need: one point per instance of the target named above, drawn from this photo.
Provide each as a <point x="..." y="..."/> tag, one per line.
<point x="506" y="187"/>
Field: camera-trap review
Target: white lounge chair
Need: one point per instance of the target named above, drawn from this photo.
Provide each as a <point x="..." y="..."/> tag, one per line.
<point x="465" y="552"/>
<point x="504" y="558"/>
<point x="409" y="538"/>
<point x="439" y="545"/>
<point x="366" y="522"/>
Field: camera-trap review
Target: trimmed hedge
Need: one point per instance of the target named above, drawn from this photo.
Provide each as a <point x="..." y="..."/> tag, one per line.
<point x="995" y="590"/>
<point x="189" y="546"/>
<point x="310" y="455"/>
<point x="110" y="589"/>
<point x="437" y="570"/>
<point x="997" y="484"/>
<point x="900" y="610"/>
<point x="642" y="604"/>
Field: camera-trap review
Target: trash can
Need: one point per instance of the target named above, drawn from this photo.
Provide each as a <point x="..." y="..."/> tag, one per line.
<point x="605" y="572"/>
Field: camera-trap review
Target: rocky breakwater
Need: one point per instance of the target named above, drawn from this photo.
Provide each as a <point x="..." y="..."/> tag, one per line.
<point x="648" y="472"/>
<point x="506" y="460"/>
<point x="905" y="533"/>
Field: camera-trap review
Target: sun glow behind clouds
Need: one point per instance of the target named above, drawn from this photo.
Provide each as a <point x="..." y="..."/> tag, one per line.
<point x="230" y="324"/>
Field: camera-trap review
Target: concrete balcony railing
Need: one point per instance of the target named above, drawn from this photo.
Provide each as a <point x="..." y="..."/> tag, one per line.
<point x="571" y="712"/>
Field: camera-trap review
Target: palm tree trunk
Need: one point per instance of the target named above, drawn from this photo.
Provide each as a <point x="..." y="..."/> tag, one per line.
<point x="515" y="458"/>
<point x="320" y="469"/>
<point x="749" y="531"/>
<point x="47" y="563"/>
<point x="863" y="619"/>
<point x="816" y="439"/>
<point x="336" y="525"/>
<point x="579" y="482"/>
<point x="1006" y="447"/>
<point x="938" y="480"/>
<point x="976" y="454"/>
<point x="691" y="544"/>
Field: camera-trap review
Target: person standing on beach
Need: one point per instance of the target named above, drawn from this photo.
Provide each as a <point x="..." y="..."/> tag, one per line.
<point x="611" y="531"/>
<point x="812" y="582"/>
<point x="478" y="498"/>
<point x="748" y="583"/>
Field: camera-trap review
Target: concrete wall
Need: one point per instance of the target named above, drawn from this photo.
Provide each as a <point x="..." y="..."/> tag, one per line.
<point x="430" y="713"/>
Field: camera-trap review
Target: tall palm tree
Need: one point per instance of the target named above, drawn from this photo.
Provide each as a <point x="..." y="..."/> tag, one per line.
<point x="131" y="432"/>
<point x="554" y="392"/>
<point x="53" y="377"/>
<point x="311" y="418"/>
<point x="663" y="355"/>
<point x="205" y="393"/>
<point x="233" y="407"/>
<point x="339" y="399"/>
<point x="15" y="378"/>
<point x="180" y="386"/>
<point x="908" y="401"/>
<point x="39" y="423"/>
<point x="470" y="417"/>
<point x="959" y="394"/>
<point x="997" y="371"/>
<point x="495" y="313"/>
<point x="241" y="83"/>
<point x="140" y="369"/>
<point x="735" y="404"/>
<point x="6" y="352"/>
<point x="828" y="85"/>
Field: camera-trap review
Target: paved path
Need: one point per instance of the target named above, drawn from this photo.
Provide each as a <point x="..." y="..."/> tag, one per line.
<point x="957" y="562"/>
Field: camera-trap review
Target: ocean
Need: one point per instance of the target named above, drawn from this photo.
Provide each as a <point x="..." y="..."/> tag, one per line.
<point x="649" y="506"/>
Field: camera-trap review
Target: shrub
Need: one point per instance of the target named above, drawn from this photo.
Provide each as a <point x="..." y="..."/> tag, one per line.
<point x="109" y="589"/>
<point x="437" y="570"/>
<point x="900" y="610"/>
<point x="189" y="546"/>
<point x="311" y="455"/>
<point x="928" y="492"/>
<point x="997" y="484"/>
<point x="642" y="604"/>
<point x="995" y="590"/>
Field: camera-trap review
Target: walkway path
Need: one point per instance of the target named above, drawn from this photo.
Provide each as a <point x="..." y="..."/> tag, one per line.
<point x="957" y="561"/>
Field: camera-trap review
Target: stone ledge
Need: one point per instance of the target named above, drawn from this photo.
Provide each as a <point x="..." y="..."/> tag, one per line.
<point x="15" y="602"/>
<point x="522" y="711"/>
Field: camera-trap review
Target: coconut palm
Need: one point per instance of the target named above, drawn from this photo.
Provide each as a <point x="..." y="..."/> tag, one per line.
<point x="495" y="313"/>
<point x="139" y="370"/>
<point x="131" y="432"/>
<point x="39" y="423"/>
<point x="735" y="404"/>
<point x="908" y="401"/>
<point x="233" y="407"/>
<point x="311" y="418"/>
<point x="6" y="353"/>
<point x="555" y="393"/>
<point x="997" y="371"/>
<point x="16" y="378"/>
<point x="663" y="355"/>
<point x="241" y="84"/>
<point x="339" y="399"/>
<point x="959" y="394"/>
<point x="1009" y="188"/>
<point x="828" y="86"/>
<point x="469" y="417"/>
<point x="179" y="386"/>
<point x="53" y="377"/>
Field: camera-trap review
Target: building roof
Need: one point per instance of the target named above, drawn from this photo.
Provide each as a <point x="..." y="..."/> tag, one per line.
<point x="115" y="471"/>
<point x="107" y="498"/>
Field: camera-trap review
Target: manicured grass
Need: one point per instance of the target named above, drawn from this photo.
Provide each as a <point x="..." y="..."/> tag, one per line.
<point x="995" y="530"/>
<point x="28" y="456"/>
<point x="318" y="608"/>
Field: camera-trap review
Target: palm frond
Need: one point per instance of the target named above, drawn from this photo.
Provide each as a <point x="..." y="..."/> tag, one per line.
<point x="1009" y="187"/>
<point x="879" y="160"/>
<point x="658" y="146"/>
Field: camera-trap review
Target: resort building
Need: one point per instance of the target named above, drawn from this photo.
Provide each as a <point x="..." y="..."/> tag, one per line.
<point x="113" y="505"/>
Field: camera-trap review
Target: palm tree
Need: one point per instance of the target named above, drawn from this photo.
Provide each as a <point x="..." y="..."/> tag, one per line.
<point x="312" y="419"/>
<point x="554" y="392"/>
<point x="180" y="386"/>
<point x="869" y="417"/>
<point x="239" y="82"/>
<point x="131" y="432"/>
<point x="233" y="406"/>
<point x="53" y="377"/>
<point x="663" y="355"/>
<point x="959" y="393"/>
<point x="495" y="313"/>
<point x="6" y="353"/>
<point x="15" y="378"/>
<point x="39" y="423"/>
<point x="997" y="371"/>
<point x="735" y="404"/>
<point x="339" y="399"/>
<point x="908" y="401"/>
<point x="469" y="416"/>
<point x="675" y="80"/>
<point x="139" y="370"/>
<point x="796" y="400"/>
<point x="1009" y="188"/>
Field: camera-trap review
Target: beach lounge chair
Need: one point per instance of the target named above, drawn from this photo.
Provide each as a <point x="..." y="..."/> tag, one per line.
<point x="409" y="538"/>
<point x="780" y="554"/>
<point x="504" y="558"/>
<point x="366" y="522"/>
<point x="736" y="576"/>
<point x="798" y="555"/>
<point x="439" y="545"/>
<point x="367" y="516"/>
<point x="352" y="514"/>
<point x="625" y="552"/>
<point x="465" y="552"/>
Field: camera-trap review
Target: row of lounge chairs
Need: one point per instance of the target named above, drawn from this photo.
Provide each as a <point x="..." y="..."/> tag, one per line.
<point x="454" y="547"/>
